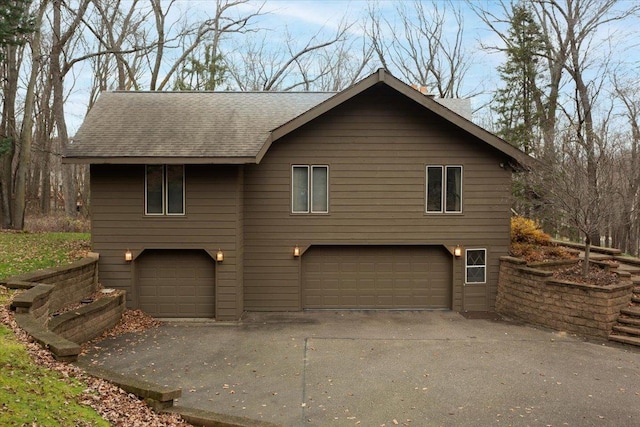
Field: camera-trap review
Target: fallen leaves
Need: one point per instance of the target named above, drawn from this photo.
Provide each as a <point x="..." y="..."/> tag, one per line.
<point x="131" y="321"/>
<point x="112" y="403"/>
<point x="597" y="275"/>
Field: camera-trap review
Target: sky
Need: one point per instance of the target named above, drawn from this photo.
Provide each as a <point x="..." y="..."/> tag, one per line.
<point x="304" y="18"/>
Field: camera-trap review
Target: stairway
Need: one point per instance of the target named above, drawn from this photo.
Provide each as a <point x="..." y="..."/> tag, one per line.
<point x="627" y="330"/>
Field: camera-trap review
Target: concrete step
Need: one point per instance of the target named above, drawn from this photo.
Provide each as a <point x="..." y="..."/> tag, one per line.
<point x="625" y="339"/>
<point x="629" y="330"/>
<point x="629" y="320"/>
<point x="627" y="260"/>
<point x="632" y="311"/>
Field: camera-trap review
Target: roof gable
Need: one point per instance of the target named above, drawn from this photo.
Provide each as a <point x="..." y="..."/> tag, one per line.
<point x="438" y="107"/>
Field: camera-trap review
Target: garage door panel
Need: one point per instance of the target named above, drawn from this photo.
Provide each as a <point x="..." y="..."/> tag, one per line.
<point x="376" y="277"/>
<point x="176" y="283"/>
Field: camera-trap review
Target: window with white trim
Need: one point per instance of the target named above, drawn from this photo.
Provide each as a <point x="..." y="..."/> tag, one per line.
<point x="476" y="266"/>
<point x="444" y="189"/>
<point x="164" y="190"/>
<point x="310" y="189"/>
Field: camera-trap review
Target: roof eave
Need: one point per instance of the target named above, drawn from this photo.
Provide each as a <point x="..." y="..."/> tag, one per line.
<point x="240" y="160"/>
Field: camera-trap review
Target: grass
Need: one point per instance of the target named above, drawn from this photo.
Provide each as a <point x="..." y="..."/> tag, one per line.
<point x="24" y="252"/>
<point x="31" y="395"/>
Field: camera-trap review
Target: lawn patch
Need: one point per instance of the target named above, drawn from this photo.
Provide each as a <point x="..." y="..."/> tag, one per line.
<point x="24" y="252"/>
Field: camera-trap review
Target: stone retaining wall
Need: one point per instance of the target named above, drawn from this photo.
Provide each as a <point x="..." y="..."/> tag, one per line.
<point x="532" y="295"/>
<point x="50" y="290"/>
<point x="89" y="321"/>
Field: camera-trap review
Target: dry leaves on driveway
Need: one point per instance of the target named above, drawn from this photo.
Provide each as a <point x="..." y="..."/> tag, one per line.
<point x="111" y="402"/>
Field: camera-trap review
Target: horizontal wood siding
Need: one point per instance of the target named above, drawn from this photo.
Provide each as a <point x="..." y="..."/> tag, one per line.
<point x="210" y="223"/>
<point x="377" y="146"/>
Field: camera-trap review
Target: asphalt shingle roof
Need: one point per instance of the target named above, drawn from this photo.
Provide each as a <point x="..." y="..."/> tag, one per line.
<point x="186" y="124"/>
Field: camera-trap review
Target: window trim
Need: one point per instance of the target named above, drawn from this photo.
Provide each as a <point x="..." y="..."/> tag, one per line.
<point x="146" y="192"/>
<point x="313" y="167"/>
<point x="306" y="211"/>
<point x="444" y="186"/>
<point x="467" y="266"/>
<point x="444" y="170"/>
<point x="426" y="205"/>
<point x="166" y="195"/>
<point x="165" y="189"/>
<point x="309" y="209"/>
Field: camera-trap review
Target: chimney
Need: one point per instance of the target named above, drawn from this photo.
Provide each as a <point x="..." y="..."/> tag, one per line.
<point x="423" y="90"/>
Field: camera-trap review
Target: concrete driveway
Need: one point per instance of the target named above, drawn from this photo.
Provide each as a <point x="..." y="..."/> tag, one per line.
<point x="424" y="368"/>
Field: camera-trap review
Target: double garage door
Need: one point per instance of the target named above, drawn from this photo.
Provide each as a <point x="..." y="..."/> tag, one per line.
<point x="176" y="283"/>
<point x="376" y="277"/>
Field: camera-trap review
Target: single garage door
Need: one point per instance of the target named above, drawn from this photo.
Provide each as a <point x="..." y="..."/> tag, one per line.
<point x="176" y="283"/>
<point x="376" y="277"/>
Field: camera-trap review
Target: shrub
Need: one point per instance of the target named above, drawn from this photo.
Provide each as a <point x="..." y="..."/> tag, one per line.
<point x="525" y="230"/>
<point x="532" y="244"/>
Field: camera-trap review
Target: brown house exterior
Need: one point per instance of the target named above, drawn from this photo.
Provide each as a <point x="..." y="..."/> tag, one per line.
<point x="373" y="188"/>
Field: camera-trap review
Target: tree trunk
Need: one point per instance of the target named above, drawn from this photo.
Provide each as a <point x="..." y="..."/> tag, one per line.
<point x="587" y="253"/>
<point x="68" y="182"/>
<point x="8" y="133"/>
<point x="26" y="137"/>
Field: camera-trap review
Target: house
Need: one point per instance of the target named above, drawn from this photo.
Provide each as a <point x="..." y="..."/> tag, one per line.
<point x="208" y="204"/>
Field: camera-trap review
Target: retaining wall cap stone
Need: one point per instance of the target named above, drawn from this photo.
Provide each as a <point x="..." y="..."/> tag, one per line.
<point x="60" y="347"/>
<point x="535" y="271"/>
<point x="512" y="260"/>
<point x="26" y="298"/>
<point x="204" y="418"/>
<point x="18" y="284"/>
<point x="84" y="310"/>
<point x="140" y="388"/>
<point x="38" y="275"/>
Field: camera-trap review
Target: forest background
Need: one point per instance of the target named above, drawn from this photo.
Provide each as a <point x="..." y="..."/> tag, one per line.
<point x="559" y="79"/>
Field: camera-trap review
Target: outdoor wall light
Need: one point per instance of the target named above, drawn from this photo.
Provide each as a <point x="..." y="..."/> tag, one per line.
<point x="128" y="256"/>
<point x="219" y="255"/>
<point x="296" y="251"/>
<point x="457" y="251"/>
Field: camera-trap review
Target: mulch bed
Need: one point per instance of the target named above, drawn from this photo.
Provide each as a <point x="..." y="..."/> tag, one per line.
<point x="597" y="275"/>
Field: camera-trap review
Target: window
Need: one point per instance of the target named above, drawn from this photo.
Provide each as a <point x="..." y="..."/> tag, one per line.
<point x="310" y="189"/>
<point x="476" y="265"/>
<point x="444" y="189"/>
<point x="164" y="190"/>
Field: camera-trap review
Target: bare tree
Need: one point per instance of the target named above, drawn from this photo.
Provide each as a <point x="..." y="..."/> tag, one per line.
<point x="26" y="133"/>
<point x="420" y="48"/>
<point x="575" y="25"/>
<point x="61" y="38"/>
<point x="191" y="37"/>
<point x="567" y="187"/>
<point x="262" y="65"/>
<point x="626" y="230"/>
<point x="344" y="64"/>
<point x="118" y="32"/>
<point x="8" y="131"/>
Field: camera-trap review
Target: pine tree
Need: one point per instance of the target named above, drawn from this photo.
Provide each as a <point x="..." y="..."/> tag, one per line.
<point x="207" y="74"/>
<point x="517" y="103"/>
<point x="15" y="23"/>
